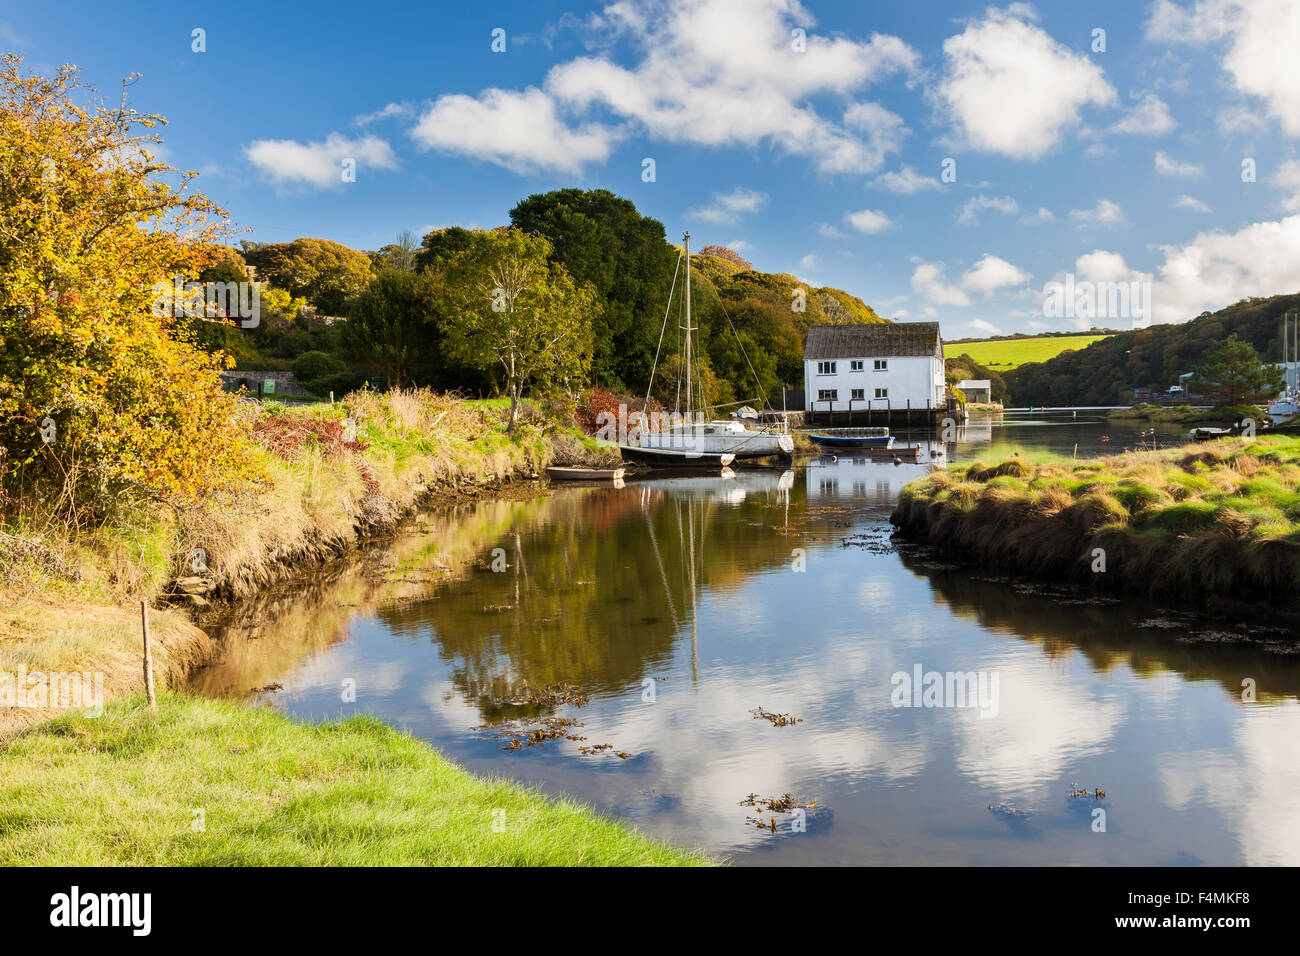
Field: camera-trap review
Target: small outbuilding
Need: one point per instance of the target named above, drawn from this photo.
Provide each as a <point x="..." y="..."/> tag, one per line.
<point x="978" y="390"/>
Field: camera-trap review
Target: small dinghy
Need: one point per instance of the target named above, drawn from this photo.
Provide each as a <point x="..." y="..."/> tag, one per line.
<point x="853" y="438"/>
<point x="557" y="473"/>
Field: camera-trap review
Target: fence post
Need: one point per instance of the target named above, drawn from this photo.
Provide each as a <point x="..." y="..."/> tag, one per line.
<point x="148" y="657"/>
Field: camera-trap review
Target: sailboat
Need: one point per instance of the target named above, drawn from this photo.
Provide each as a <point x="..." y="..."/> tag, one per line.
<point x="690" y="440"/>
<point x="1287" y="405"/>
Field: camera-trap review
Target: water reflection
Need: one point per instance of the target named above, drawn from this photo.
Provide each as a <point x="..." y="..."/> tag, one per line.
<point x="681" y="605"/>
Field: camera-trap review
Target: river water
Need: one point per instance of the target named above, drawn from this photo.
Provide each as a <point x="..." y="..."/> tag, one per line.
<point x="681" y="606"/>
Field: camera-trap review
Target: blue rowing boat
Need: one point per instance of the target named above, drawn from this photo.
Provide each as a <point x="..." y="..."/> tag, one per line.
<point x="853" y="438"/>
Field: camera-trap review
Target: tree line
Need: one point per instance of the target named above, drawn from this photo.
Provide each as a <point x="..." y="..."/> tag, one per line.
<point x="583" y="284"/>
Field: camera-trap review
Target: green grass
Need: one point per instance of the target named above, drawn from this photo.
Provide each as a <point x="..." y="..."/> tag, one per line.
<point x="1004" y="355"/>
<point x="126" y="789"/>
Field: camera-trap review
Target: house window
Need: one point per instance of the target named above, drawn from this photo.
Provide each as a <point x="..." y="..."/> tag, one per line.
<point x="858" y="394"/>
<point x="882" y="393"/>
<point x="882" y="365"/>
<point x="827" y="394"/>
<point x="825" y="368"/>
<point x="856" y="365"/>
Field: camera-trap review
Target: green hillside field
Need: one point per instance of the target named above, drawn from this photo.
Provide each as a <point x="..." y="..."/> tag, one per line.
<point x="1005" y="354"/>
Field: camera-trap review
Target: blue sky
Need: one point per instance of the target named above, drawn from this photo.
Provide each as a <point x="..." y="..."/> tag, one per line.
<point x="819" y="154"/>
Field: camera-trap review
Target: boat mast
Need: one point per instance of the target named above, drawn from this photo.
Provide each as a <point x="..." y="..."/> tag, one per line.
<point x="686" y="243"/>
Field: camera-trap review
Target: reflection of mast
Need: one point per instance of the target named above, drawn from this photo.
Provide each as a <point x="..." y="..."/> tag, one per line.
<point x="695" y="658"/>
<point x="663" y="574"/>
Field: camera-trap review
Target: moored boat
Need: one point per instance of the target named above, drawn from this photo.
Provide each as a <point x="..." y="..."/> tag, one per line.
<point x="719" y="437"/>
<point x="690" y="440"/>
<point x="853" y="438"/>
<point x="675" y="457"/>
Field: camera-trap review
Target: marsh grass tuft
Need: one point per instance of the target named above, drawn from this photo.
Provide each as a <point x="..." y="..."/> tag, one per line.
<point x="1222" y="518"/>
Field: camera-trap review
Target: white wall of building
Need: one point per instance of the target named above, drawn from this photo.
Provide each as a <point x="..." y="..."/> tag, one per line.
<point x="918" y="379"/>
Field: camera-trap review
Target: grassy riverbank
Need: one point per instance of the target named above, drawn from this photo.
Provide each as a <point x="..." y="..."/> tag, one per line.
<point x="122" y="788"/>
<point x="1221" y="518"/>
<point x="216" y="784"/>
<point x="334" y="475"/>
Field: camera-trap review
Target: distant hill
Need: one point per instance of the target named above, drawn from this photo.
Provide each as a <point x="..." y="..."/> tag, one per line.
<point x="1004" y="354"/>
<point x="1106" y="372"/>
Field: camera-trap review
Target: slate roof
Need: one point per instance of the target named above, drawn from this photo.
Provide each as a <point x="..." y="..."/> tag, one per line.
<point x="876" y="340"/>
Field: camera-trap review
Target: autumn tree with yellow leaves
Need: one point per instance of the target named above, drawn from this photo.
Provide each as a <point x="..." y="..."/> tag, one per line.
<point x="101" y="401"/>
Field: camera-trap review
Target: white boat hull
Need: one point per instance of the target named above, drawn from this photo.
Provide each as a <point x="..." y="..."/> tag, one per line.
<point x="742" y="443"/>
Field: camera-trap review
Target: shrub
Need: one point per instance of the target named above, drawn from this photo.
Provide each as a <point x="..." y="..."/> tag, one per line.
<point x="340" y="383"/>
<point x="313" y="365"/>
<point x="103" y="401"/>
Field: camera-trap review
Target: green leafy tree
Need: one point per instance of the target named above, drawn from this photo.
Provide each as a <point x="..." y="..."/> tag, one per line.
<point x="505" y="306"/>
<point x="441" y="244"/>
<point x="603" y="240"/>
<point x="393" y="325"/>
<point x="1234" y="374"/>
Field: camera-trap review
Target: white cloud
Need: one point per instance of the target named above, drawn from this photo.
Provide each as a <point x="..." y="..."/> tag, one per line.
<point x="1217" y="269"/>
<point x="981" y="327"/>
<point x="1239" y="120"/>
<point x="391" y="111"/>
<point x="1102" y="266"/>
<point x="739" y="245"/>
<point x="1259" y="55"/>
<point x="809" y="262"/>
<point x="1042" y="215"/>
<point x="907" y="181"/>
<point x="1192" y="203"/>
<point x="1104" y="214"/>
<point x="521" y="131"/>
<point x="991" y="273"/>
<point x="1168" y="166"/>
<point x="1150" y="117"/>
<point x="869" y="221"/>
<point x="1170" y="23"/>
<point x="1288" y="177"/>
<point x="707" y="72"/>
<point x="1214" y="270"/>
<point x="969" y="215"/>
<point x="729" y="207"/>
<point x="1010" y="88"/>
<point x="830" y="232"/>
<point x="1035" y="324"/>
<point x="928" y="279"/>
<point x="320" y="164"/>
